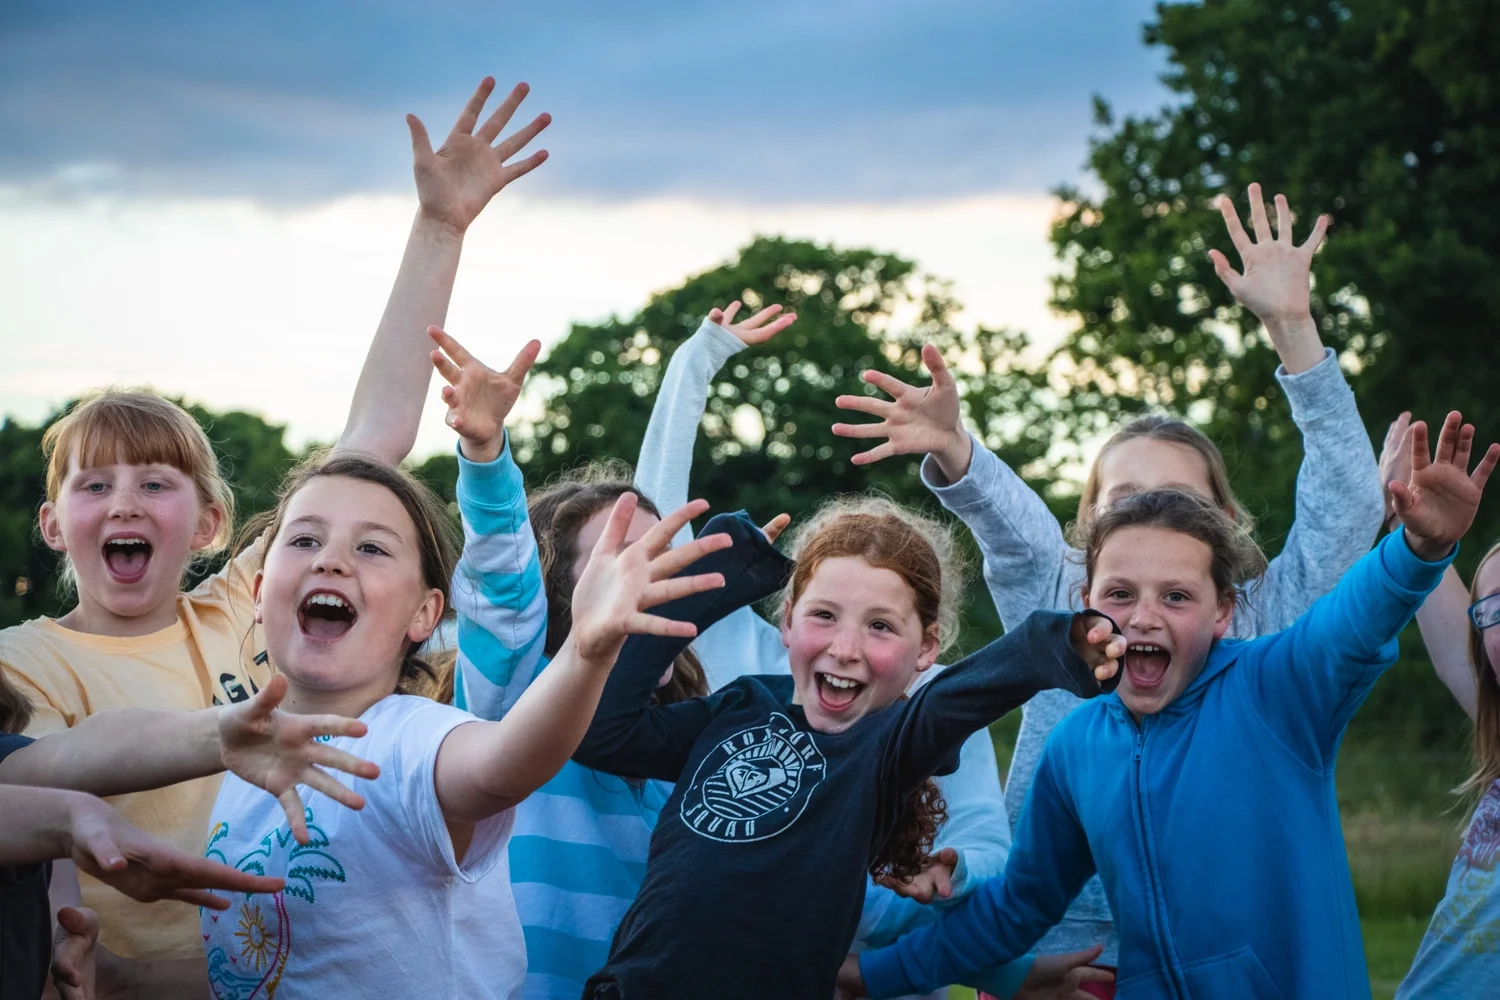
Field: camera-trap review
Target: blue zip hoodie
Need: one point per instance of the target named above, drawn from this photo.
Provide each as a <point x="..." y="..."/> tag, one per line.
<point x="1213" y="823"/>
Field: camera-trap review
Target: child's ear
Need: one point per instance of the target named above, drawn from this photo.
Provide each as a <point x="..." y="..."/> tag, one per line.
<point x="208" y="526"/>
<point x="425" y="621"/>
<point x="51" y="527"/>
<point x="931" y="644"/>
<point x="1224" y="617"/>
<point x="255" y="594"/>
<point x="786" y="625"/>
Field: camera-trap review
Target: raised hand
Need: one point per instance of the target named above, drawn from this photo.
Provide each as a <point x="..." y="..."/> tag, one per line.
<point x="934" y="881"/>
<point x="103" y="844"/>
<point x="278" y="751"/>
<point x="1275" y="284"/>
<point x="914" y="421"/>
<point x="1095" y="640"/>
<point x="758" y="328"/>
<point x="478" y="397"/>
<point x="1395" y="461"/>
<point x="773" y="528"/>
<point x="459" y="179"/>
<point x="1438" y="501"/>
<point x="1061" y="977"/>
<point x="621" y="581"/>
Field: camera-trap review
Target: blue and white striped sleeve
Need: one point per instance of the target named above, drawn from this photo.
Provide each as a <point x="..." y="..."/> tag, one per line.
<point x="498" y="595"/>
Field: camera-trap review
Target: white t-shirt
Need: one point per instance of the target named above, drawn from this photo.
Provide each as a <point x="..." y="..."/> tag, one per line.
<point x="375" y="905"/>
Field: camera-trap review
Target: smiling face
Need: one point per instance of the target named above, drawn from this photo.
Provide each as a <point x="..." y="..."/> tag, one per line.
<point x="1156" y="584"/>
<point x="855" y="642"/>
<point x="342" y="593"/>
<point x="1142" y="464"/>
<point x="129" y="531"/>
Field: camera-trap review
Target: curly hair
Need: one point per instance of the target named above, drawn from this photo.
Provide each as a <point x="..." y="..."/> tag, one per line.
<point x="558" y="513"/>
<point x="924" y="553"/>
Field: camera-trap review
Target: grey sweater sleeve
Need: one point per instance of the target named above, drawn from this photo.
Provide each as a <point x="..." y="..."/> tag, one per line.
<point x="666" y="459"/>
<point x="1339" y="501"/>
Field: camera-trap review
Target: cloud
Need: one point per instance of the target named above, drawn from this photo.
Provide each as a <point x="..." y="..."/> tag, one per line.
<point x="285" y="100"/>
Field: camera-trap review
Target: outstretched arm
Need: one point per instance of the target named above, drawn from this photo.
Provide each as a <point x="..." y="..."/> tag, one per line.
<point x="133" y="749"/>
<point x="485" y="768"/>
<point x="453" y="186"/>
<point x="1444" y="621"/>
<point x="665" y="465"/>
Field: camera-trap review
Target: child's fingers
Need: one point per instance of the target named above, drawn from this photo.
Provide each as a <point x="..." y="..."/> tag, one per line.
<point x="263" y="704"/>
<point x="1316" y="237"/>
<point x="330" y="786"/>
<point x="421" y="145"/>
<point x="875" y="454"/>
<point x="865" y="404"/>
<point x="754" y="322"/>
<point x="889" y="384"/>
<point x="729" y="312"/>
<point x="641" y="623"/>
<point x="518" y="140"/>
<point x="1421" y="456"/>
<point x="523" y="167"/>
<point x="1226" y="273"/>
<point x="1237" y="234"/>
<point x="502" y="114"/>
<point x="102" y="848"/>
<point x="469" y="116"/>
<point x="1465" y="447"/>
<point x="776" y="526"/>
<point x="673" y="561"/>
<point x="451" y="346"/>
<point x="679" y="586"/>
<point x="613" y="537"/>
<point x="716" y="315"/>
<point x="880" y="430"/>
<point x="936" y="366"/>
<point x="1448" y="437"/>
<point x="207" y="874"/>
<point x="310" y="727"/>
<point x="1258" y="219"/>
<point x="342" y="760"/>
<point x="662" y="533"/>
<point x="520" y="366"/>
<point x="1098" y="632"/>
<point x="451" y="373"/>
<point x="200" y="897"/>
<point x="291" y="804"/>
<point x="1481" y="474"/>
<point x="1283" y="219"/>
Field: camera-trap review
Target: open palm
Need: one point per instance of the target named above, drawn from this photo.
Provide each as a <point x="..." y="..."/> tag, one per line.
<point x="755" y="329"/>
<point x="1275" y="284"/>
<point x="1438" y="501"/>
<point x="459" y="179"/>
<point x="478" y="397"/>
<point x="914" y="421"/>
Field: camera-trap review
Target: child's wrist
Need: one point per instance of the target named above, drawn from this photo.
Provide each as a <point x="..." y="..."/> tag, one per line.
<point x="1428" y="549"/>
<point x="436" y="228"/>
<point x="1296" y="340"/>
<point x="954" y="458"/>
<point x="481" y="453"/>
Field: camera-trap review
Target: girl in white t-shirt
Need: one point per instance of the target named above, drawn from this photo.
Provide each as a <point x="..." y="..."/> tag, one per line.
<point x="355" y="576"/>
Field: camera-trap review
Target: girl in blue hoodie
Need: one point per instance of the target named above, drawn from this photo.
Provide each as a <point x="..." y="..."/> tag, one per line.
<point x="1202" y="790"/>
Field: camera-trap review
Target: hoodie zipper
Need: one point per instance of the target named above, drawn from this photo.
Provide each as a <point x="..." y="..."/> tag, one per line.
<point x="1153" y="882"/>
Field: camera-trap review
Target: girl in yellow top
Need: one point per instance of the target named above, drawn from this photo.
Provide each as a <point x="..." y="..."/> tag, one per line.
<point x="134" y="495"/>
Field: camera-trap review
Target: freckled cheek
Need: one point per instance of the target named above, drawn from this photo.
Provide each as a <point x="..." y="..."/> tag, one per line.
<point x="889" y="660"/>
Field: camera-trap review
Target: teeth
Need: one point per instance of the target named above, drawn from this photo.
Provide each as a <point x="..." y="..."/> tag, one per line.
<point x="126" y="543"/>
<point x="843" y="684"/>
<point x="1145" y="647"/>
<point x="332" y="600"/>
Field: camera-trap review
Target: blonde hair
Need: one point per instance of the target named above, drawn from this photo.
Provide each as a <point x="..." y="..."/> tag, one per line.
<point x="1486" y="745"/>
<point x="138" y="427"/>
<point x="1160" y="427"/>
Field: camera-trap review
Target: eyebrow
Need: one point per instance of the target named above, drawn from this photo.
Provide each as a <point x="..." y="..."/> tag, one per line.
<point x="879" y="610"/>
<point x="322" y="522"/>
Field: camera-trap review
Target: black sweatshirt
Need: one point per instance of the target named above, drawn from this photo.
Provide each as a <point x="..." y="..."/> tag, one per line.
<point x="25" y="917"/>
<point x="757" y="868"/>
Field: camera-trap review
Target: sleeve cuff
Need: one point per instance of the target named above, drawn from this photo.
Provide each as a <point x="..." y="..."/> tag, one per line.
<point x="489" y="484"/>
<point x="718" y="343"/>
<point x="977" y="485"/>
<point x="1407" y="568"/>
<point x="1318" y="390"/>
<point x="883" y="975"/>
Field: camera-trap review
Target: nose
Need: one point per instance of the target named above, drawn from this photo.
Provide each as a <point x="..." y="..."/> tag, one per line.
<point x="124" y="504"/>
<point x="331" y="561"/>
<point x="1145" y="616"/>
<point x="845" y="647"/>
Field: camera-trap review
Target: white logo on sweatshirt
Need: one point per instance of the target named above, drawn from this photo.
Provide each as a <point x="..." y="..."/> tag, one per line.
<point x="754" y="784"/>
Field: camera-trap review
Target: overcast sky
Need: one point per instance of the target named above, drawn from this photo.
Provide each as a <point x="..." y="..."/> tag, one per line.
<point x="212" y="198"/>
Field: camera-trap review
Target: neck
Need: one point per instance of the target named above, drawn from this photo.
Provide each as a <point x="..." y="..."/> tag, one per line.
<point x="93" y="618"/>
<point x="348" y="702"/>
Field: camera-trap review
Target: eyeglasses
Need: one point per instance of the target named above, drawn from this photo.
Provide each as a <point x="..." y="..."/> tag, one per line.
<point x="1485" y="612"/>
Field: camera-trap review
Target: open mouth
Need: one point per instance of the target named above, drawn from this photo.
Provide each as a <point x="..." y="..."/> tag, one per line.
<point x="326" y="616"/>
<point x="1146" y="663"/>
<point x="837" y="693"/>
<point x="127" y="558"/>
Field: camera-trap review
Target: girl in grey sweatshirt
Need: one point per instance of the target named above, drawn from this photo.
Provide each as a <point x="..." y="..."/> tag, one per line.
<point x="1029" y="565"/>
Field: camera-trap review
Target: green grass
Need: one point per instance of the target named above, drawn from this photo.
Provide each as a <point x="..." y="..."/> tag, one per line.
<point x="1390" y="945"/>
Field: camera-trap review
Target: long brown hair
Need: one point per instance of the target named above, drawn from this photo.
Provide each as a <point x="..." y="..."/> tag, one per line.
<point x="1486" y="746"/>
<point x="437" y="546"/>
<point x="1160" y="427"/>
<point x="558" y="514"/>
<point x="922" y="552"/>
<point x="1236" y="558"/>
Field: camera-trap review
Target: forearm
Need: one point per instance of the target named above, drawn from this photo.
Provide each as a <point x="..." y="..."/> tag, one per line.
<point x="1296" y="340"/>
<point x="38" y="825"/>
<point x="665" y="464"/>
<point x="1444" y="621"/>
<point x="122" y="750"/>
<point x="392" y="387"/>
<point x="486" y="768"/>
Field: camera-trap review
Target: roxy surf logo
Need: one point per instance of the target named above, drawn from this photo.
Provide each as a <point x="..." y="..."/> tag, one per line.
<point x="754" y="784"/>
